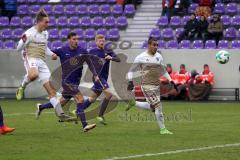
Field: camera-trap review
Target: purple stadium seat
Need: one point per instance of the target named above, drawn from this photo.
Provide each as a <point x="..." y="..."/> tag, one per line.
<point x="43" y="1"/>
<point x="17" y="33"/>
<point x="167" y="33"/>
<point x="192" y="8"/>
<point x="109" y="22"/>
<point x="64" y="33"/>
<point x="89" y="34"/>
<point x="162" y="21"/>
<point x="82" y="44"/>
<point x="79" y="32"/>
<point x="102" y="31"/>
<point x="226" y="20"/>
<point x="93" y="10"/>
<point x="32" y="1"/>
<point x="161" y="44"/>
<point x="155" y="33"/>
<point x="58" y="9"/>
<point x="22" y="9"/>
<point x="70" y="9"/>
<point x="117" y="10"/>
<point x="4" y="21"/>
<point x="91" y="45"/>
<point x="48" y="8"/>
<point x="111" y="1"/>
<point x="86" y="22"/>
<point x="1" y="44"/>
<point x="185" y="19"/>
<point x="97" y="22"/>
<point x="73" y="21"/>
<point x="6" y="33"/>
<point x="52" y="21"/>
<point x="66" y="1"/>
<point x="198" y="44"/>
<point x="21" y="1"/>
<point x="179" y="31"/>
<point x="101" y="1"/>
<point x="175" y="21"/>
<point x="34" y="9"/>
<point x="53" y="33"/>
<point x="236" y="44"/>
<point x="223" y="44"/>
<point x="129" y="10"/>
<point x="15" y="21"/>
<point x="185" y="44"/>
<point x="231" y="8"/>
<point x="56" y="44"/>
<point x="113" y="34"/>
<point x="105" y="10"/>
<point x="219" y="8"/>
<point x="236" y="21"/>
<point x="210" y="44"/>
<point x="9" y="44"/>
<point x="27" y="21"/>
<point x="230" y="33"/>
<point x="238" y="34"/>
<point x="62" y="21"/>
<point x="144" y="45"/>
<point x="82" y="10"/>
<point x="172" y="44"/>
<point x="89" y="1"/>
<point x="122" y="22"/>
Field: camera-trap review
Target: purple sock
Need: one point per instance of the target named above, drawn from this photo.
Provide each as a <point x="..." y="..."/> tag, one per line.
<point x="86" y="104"/>
<point x="81" y="114"/>
<point x="1" y="118"/>
<point x="103" y="107"/>
<point x="45" y="106"/>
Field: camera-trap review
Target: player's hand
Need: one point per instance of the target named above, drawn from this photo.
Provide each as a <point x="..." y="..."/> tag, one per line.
<point x="174" y="85"/>
<point x="108" y="57"/>
<point x="54" y="57"/>
<point x="130" y="86"/>
<point x="24" y="38"/>
<point x="97" y="79"/>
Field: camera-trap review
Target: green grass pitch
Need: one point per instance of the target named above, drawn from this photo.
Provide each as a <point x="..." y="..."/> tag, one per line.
<point x="195" y="125"/>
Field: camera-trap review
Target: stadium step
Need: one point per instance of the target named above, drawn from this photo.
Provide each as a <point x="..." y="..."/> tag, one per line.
<point x="144" y="22"/>
<point x="139" y="26"/>
<point x="148" y="14"/>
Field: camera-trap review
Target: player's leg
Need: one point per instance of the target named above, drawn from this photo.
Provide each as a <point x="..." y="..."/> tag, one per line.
<point x="41" y="107"/>
<point x="104" y="104"/>
<point x="152" y="95"/>
<point x="31" y="68"/>
<point x="80" y="112"/>
<point x="3" y="128"/>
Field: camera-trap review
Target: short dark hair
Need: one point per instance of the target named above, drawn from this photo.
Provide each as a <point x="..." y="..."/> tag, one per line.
<point x="41" y="14"/>
<point x="151" y="39"/>
<point x="71" y="34"/>
<point x="182" y="65"/>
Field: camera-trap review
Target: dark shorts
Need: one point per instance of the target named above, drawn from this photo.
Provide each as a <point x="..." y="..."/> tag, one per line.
<point x="69" y="90"/>
<point x="98" y="87"/>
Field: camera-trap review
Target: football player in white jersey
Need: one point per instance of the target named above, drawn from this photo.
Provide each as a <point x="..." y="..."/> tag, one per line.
<point x="151" y="66"/>
<point x="33" y="45"/>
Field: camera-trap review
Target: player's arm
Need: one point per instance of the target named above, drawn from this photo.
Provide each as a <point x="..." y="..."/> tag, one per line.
<point x="23" y="42"/>
<point x="89" y="62"/>
<point x="135" y="67"/>
<point x="113" y="57"/>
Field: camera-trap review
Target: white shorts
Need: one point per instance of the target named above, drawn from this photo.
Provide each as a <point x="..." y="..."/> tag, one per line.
<point x="152" y="94"/>
<point x="43" y="70"/>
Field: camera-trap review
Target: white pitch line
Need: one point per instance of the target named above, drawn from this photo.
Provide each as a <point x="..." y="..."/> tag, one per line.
<point x="175" y="152"/>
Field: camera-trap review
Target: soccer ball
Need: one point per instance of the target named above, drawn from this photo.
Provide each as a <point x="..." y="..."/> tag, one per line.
<point x="222" y="56"/>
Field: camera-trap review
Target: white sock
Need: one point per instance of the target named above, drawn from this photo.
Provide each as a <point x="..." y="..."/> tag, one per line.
<point x="144" y="105"/>
<point x="57" y="106"/>
<point x="159" y="117"/>
<point x="25" y="81"/>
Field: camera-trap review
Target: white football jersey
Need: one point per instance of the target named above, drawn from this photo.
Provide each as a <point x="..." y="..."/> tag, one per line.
<point x="151" y="67"/>
<point x="36" y="44"/>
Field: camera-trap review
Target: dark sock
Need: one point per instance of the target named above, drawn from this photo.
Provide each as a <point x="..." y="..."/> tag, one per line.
<point x="103" y="107"/>
<point x="81" y="114"/>
<point x="86" y="104"/>
<point x="45" y="106"/>
<point x="1" y="118"/>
